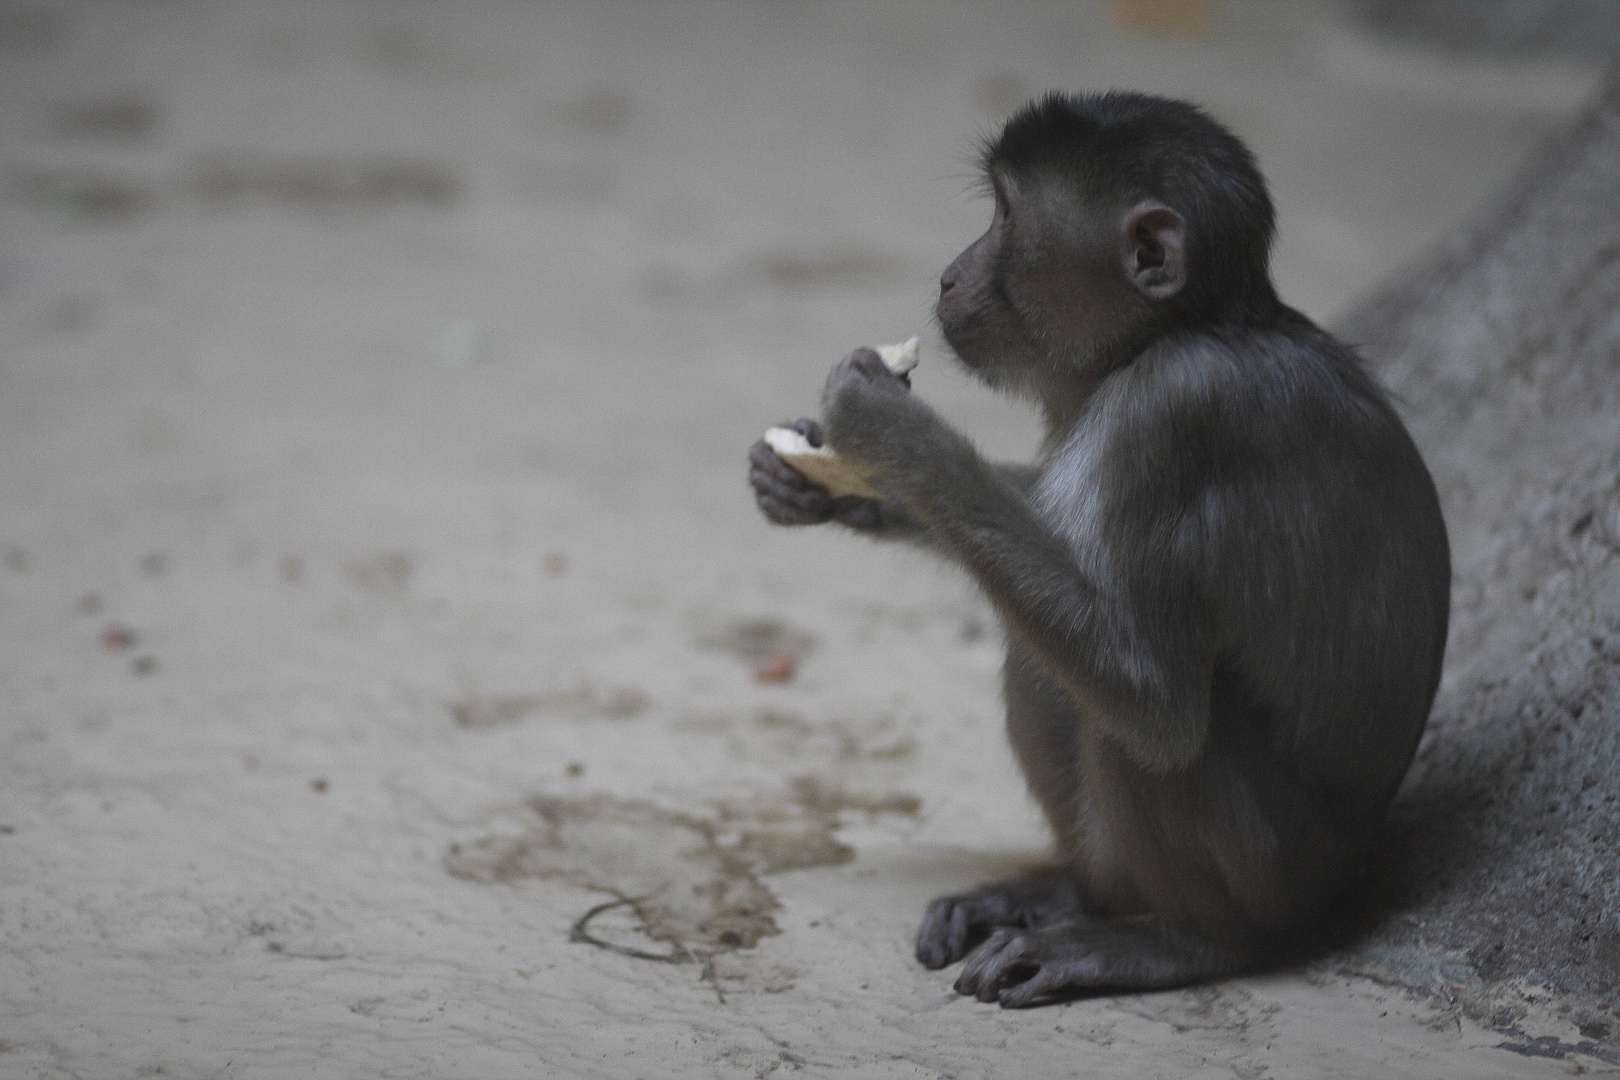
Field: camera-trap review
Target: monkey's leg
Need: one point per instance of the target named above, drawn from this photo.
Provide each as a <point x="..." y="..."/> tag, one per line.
<point x="954" y="924"/>
<point x="1142" y="952"/>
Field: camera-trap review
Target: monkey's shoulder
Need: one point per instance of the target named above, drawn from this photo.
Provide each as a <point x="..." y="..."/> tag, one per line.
<point x="1212" y="431"/>
<point x="1228" y="396"/>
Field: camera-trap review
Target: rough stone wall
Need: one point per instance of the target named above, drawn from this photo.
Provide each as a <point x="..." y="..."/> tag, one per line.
<point x="1504" y="348"/>
<point x="1514" y="28"/>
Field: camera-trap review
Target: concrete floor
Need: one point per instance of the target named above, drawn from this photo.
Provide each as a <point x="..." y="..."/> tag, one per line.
<point x="372" y="416"/>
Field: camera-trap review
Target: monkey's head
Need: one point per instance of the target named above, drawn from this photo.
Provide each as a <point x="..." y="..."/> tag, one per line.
<point x="1117" y="217"/>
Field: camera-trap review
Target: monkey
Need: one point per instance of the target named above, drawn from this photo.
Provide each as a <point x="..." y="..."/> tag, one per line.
<point x="1224" y="580"/>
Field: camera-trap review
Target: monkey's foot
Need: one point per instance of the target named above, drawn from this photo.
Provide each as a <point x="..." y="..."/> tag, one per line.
<point x="1021" y="967"/>
<point x="953" y="924"/>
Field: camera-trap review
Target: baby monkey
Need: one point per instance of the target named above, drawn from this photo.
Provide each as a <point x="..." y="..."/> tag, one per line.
<point x="1225" y="580"/>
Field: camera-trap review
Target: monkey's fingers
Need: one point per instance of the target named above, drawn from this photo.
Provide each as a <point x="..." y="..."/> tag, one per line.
<point x="808" y="498"/>
<point x="762" y="459"/>
<point x="810" y="430"/>
<point x="793" y="508"/>
<point x="897" y="359"/>
<point x="871" y="366"/>
<point x="858" y="512"/>
<point x="780" y="513"/>
<point x="784" y="496"/>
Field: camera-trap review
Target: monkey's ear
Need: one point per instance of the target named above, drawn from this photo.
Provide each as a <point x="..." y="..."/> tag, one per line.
<point x="1154" y="249"/>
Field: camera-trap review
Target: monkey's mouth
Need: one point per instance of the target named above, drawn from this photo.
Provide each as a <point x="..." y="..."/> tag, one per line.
<point x="956" y="337"/>
<point x="960" y="344"/>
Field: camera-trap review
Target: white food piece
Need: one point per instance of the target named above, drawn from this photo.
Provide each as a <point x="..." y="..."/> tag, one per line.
<point x="899" y="358"/>
<point x="789" y="443"/>
<point x="818" y="463"/>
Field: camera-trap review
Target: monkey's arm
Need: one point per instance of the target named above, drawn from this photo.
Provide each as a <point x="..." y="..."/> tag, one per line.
<point x="1139" y="664"/>
<point x="894" y="520"/>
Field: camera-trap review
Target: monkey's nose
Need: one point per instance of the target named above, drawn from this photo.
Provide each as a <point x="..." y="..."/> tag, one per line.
<point x="947" y="282"/>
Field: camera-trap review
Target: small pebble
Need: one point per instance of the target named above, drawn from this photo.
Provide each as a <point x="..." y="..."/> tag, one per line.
<point x="575" y="769"/>
<point x="318" y="785"/>
<point x="555" y="563"/>
<point x="778" y="669"/>
<point x="17" y="559"/>
<point x="292" y="569"/>
<point x="90" y="603"/>
<point x="144" y="665"/>
<point x="154" y="563"/>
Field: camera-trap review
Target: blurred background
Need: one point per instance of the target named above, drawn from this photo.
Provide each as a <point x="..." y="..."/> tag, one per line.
<point x="374" y="394"/>
<point x="627" y="214"/>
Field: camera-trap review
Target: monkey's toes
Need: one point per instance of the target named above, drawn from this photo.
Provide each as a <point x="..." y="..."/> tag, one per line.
<point x="1000" y="962"/>
<point x="1049" y="979"/>
<point x="943" y="938"/>
<point x="1020" y="968"/>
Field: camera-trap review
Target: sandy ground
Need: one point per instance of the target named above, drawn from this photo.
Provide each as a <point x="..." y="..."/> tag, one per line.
<point x="381" y="592"/>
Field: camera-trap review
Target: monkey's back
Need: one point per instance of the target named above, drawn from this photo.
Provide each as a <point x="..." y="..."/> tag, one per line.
<point x="1259" y="481"/>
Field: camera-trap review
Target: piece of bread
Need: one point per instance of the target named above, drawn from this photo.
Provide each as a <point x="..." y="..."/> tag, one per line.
<point x="818" y="463"/>
<point x="899" y="358"/>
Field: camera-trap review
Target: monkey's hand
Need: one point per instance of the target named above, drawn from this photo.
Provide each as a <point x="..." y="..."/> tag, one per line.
<point x="786" y="497"/>
<point x="872" y="417"/>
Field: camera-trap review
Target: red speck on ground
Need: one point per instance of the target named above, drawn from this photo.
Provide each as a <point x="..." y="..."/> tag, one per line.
<point x="778" y="669"/>
<point x="117" y="637"/>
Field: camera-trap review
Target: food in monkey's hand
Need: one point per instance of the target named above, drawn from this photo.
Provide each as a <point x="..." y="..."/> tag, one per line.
<point x="900" y="358"/>
<point x="818" y="463"/>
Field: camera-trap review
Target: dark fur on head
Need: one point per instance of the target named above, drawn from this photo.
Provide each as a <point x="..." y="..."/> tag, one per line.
<point x="1137" y="146"/>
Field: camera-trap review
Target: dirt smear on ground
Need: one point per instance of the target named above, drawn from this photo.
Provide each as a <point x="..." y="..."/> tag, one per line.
<point x="691" y="881"/>
<point x="779" y="734"/>
<point x="587" y="700"/>
<point x="757" y="640"/>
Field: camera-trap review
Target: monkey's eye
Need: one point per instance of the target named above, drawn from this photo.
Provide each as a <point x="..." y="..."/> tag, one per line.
<point x="1002" y="221"/>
